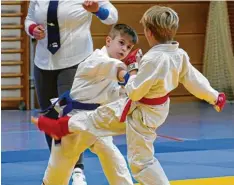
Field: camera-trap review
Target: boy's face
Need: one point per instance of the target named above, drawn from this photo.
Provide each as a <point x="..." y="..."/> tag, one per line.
<point x="119" y="47"/>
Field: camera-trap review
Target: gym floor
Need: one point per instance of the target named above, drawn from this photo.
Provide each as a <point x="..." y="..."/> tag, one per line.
<point x="204" y="157"/>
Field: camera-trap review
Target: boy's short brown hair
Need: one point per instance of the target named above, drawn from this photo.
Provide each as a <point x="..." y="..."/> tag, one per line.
<point x="162" y="21"/>
<point x="123" y="29"/>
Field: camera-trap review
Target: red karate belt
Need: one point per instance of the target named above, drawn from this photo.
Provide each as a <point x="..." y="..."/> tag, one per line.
<point x="146" y="101"/>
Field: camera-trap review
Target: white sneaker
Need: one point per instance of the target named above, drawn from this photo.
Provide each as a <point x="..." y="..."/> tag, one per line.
<point x="78" y="177"/>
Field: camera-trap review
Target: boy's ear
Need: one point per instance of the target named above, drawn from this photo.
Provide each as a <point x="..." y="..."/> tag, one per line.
<point x="108" y="40"/>
<point x="149" y="32"/>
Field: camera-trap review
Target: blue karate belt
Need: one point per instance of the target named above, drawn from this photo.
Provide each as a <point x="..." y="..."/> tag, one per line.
<point x="70" y="104"/>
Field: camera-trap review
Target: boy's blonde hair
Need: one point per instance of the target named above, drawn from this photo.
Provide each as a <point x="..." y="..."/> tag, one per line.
<point x="123" y="29"/>
<point x="162" y="21"/>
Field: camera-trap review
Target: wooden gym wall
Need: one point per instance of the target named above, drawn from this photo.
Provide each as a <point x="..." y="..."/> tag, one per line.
<point x="191" y="36"/>
<point x="14" y="55"/>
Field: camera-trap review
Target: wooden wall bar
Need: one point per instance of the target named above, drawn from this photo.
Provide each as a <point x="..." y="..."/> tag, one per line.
<point x="191" y="32"/>
<point x="14" y="56"/>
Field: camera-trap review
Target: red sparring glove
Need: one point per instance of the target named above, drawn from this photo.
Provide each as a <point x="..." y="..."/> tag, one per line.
<point x="220" y="102"/>
<point x="132" y="59"/>
<point x="53" y="127"/>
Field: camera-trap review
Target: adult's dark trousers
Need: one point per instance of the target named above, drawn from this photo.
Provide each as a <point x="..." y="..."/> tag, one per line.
<point x="50" y="84"/>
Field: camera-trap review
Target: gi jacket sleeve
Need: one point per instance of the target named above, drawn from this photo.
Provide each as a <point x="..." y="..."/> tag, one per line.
<point x="139" y="85"/>
<point x="100" y="67"/>
<point x="196" y="83"/>
<point x="109" y="68"/>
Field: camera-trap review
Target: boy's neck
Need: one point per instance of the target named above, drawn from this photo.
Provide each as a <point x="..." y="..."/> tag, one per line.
<point x="155" y="43"/>
<point x="108" y="53"/>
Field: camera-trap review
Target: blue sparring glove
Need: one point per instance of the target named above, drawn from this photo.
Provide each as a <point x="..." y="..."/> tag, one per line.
<point x="126" y="77"/>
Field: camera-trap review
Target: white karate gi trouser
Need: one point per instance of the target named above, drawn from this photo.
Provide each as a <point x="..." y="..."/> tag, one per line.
<point x="64" y="156"/>
<point x="141" y="124"/>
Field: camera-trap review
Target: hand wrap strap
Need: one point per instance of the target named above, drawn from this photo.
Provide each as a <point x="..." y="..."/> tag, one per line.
<point x="132" y="66"/>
